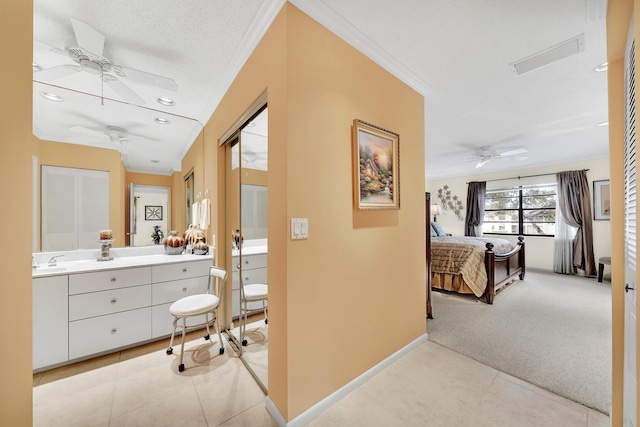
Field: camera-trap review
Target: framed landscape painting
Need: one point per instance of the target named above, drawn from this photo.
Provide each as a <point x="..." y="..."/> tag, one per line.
<point x="375" y="168"/>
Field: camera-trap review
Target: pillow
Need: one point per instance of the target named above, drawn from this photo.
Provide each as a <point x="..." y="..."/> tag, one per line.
<point x="439" y="231"/>
<point x="434" y="233"/>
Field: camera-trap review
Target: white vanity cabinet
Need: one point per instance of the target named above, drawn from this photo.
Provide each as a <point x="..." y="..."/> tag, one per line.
<point x="50" y="320"/>
<point x="254" y="270"/>
<point x="170" y="283"/>
<point x="83" y="313"/>
<point x="108" y="309"/>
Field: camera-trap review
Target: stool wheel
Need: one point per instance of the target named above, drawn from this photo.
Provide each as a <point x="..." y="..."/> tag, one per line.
<point x="181" y="367"/>
<point x="206" y="337"/>
<point x="244" y="343"/>
<point x="266" y="321"/>
<point x="221" y="350"/>
<point x="169" y="350"/>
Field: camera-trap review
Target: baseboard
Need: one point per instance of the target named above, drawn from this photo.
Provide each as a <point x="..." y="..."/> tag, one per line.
<point x="307" y="416"/>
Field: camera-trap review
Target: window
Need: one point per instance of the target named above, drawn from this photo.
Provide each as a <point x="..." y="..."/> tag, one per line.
<point x="521" y="211"/>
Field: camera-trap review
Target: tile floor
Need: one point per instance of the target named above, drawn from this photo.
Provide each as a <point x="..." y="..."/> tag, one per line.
<point x="429" y="386"/>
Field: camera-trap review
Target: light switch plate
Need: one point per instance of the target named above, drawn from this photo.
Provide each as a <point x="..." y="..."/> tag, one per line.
<point x="299" y="228"/>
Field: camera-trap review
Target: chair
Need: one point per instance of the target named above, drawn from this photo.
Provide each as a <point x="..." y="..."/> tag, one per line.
<point x="198" y="305"/>
<point x="256" y="292"/>
<point x="601" y="262"/>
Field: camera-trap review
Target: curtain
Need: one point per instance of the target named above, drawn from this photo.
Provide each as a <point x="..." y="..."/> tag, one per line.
<point x="563" y="245"/>
<point x="475" y="208"/>
<point x="574" y="200"/>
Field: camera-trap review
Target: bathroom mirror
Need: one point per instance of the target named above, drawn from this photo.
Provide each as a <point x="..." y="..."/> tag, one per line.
<point x="246" y="223"/>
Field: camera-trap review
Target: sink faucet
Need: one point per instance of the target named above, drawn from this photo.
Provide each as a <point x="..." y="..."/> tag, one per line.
<point x="52" y="261"/>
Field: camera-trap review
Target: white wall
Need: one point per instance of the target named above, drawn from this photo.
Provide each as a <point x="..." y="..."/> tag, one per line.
<point x="539" y="250"/>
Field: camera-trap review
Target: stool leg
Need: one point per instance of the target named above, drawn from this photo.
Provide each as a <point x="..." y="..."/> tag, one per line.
<point x="184" y="329"/>
<point x="600" y="272"/>
<point x="219" y="333"/>
<point x="173" y="334"/>
<point x="206" y="319"/>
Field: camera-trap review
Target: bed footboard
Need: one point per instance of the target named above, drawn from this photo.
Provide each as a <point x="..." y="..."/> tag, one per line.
<point x="503" y="268"/>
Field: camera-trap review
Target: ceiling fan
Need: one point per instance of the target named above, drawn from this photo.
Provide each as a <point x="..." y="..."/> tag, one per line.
<point x="116" y="135"/>
<point x="87" y="52"/>
<point x="487" y="154"/>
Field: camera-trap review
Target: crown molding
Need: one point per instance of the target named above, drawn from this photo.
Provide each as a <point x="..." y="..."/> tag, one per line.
<point x="335" y="23"/>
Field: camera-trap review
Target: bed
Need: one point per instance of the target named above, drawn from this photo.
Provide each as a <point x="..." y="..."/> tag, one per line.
<point x="475" y="265"/>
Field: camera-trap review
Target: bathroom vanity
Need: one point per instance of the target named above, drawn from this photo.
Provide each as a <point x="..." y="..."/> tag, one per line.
<point x="83" y="307"/>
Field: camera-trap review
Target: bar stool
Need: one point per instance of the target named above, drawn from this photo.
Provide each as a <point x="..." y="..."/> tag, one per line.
<point x="198" y="305"/>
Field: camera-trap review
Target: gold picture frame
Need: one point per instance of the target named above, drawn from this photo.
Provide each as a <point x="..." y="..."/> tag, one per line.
<point x="376" y="153"/>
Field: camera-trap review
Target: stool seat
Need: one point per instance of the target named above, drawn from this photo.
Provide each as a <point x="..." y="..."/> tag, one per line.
<point x="601" y="263"/>
<point x="255" y="292"/>
<point x="194" y="305"/>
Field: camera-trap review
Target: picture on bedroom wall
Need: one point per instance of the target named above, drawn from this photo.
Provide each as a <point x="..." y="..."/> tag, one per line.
<point x="375" y="169"/>
<point x="601" y="200"/>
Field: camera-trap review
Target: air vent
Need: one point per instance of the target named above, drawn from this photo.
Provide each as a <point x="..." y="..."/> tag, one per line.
<point x="548" y="56"/>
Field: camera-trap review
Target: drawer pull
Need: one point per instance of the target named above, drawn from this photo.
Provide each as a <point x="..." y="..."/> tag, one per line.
<point x="246" y="262"/>
<point x="113" y="279"/>
<point x="113" y="331"/>
<point x="113" y="301"/>
<point x="184" y="289"/>
<point x="238" y="267"/>
<point x="184" y="270"/>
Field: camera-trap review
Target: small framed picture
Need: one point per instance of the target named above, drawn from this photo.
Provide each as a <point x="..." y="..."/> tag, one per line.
<point x="153" y="213"/>
<point x="375" y="167"/>
<point x="601" y="200"/>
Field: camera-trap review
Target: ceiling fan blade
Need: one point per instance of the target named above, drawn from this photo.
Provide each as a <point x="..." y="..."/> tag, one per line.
<point x="122" y="90"/>
<point x="88" y="37"/>
<point x="90" y="132"/>
<point x="55" y="73"/>
<point x="481" y="163"/>
<point x="513" y="152"/>
<point x="43" y="47"/>
<point x="150" y="79"/>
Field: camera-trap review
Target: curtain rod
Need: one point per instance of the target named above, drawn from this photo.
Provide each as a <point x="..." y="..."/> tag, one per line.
<point x="526" y="176"/>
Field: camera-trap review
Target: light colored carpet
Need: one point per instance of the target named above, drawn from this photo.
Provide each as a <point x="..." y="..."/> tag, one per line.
<point x="551" y="330"/>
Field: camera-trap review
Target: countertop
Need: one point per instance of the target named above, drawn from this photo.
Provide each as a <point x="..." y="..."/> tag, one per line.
<point x="86" y="266"/>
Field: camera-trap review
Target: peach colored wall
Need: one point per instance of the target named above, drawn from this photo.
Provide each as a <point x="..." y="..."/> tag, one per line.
<point x="192" y="161"/>
<point x="317" y="85"/>
<point x="618" y="18"/>
<point x="78" y="156"/>
<point x="355" y="263"/>
<point x="17" y="146"/>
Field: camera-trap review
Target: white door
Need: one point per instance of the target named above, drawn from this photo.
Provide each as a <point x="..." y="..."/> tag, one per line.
<point x="629" y="408"/>
<point x="148" y="208"/>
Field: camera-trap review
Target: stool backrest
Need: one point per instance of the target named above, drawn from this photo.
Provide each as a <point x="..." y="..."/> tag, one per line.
<point x="219" y="276"/>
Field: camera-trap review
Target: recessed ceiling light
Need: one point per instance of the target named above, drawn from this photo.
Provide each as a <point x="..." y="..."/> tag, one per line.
<point x="52" y="96"/>
<point x="603" y="124"/>
<point x="36" y="67"/>
<point x="166" y="101"/>
<point x="602" y="67"/>
<point x="162" y="121"/>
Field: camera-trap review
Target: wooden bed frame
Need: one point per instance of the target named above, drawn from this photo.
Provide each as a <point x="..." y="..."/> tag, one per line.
<point x="502" y="268"/>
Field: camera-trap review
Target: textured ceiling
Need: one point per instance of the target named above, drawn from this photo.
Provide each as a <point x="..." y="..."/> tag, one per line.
<point x="456" y="53"/>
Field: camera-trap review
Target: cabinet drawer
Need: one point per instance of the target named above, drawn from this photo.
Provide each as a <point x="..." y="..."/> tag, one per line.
<point x="250" y="262"/>
<point x="181" y="270"/>
<point x="112" y="279"/>
<point x="172" y="291"/>
<point x="94" y="304"/>
<point x="98" y="334"/>
<point x="258" y="275"/>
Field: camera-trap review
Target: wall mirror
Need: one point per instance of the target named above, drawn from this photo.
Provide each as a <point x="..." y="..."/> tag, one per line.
<point x="246" y="223"/>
